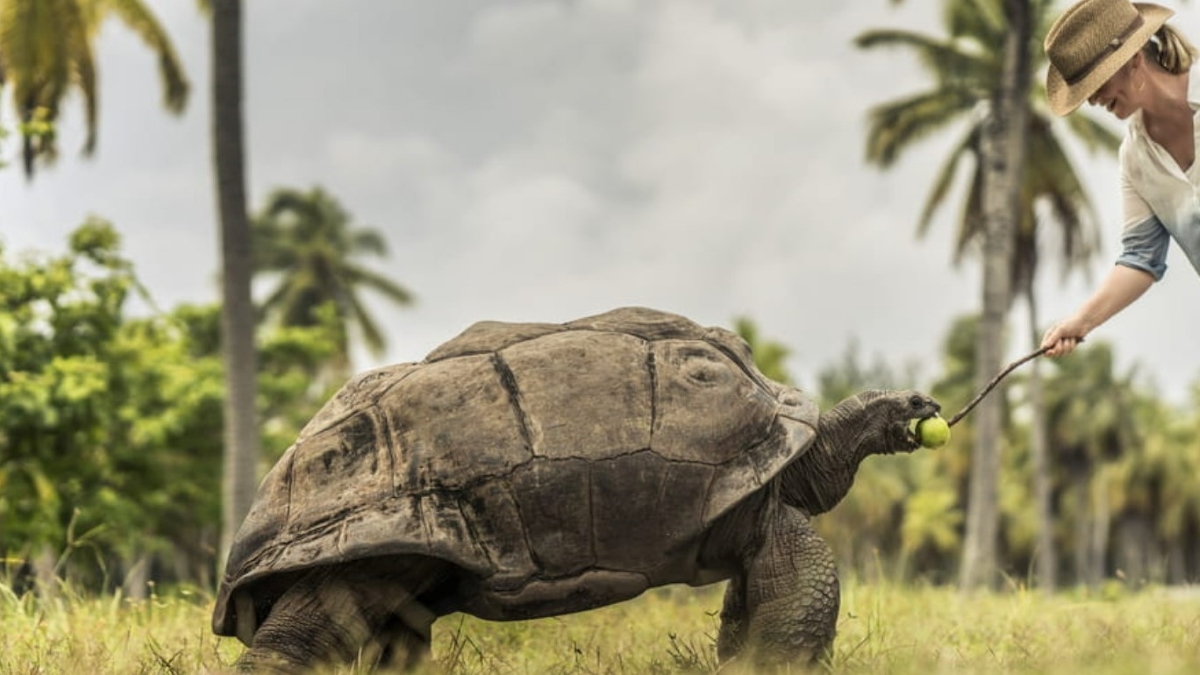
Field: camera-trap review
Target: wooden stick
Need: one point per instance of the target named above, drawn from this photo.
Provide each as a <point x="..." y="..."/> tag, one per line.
<point x="996" y="380"/>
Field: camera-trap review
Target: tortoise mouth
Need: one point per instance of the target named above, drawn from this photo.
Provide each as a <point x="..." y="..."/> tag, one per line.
<point x="912" y="440"/>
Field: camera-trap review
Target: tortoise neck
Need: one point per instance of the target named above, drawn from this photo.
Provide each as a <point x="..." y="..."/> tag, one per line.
<point x="821" y="477"/>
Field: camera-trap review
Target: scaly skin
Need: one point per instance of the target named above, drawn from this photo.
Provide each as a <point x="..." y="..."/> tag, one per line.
<point x="338" y="616"/>
<point x="870" y="423"/>
<point x="782" y="601"/>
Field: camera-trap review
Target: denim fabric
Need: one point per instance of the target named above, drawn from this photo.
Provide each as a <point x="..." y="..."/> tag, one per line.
<point x="1145" y="247"/>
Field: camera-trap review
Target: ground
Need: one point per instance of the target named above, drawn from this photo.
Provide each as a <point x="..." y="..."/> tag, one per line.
<point x="883" y="628"/>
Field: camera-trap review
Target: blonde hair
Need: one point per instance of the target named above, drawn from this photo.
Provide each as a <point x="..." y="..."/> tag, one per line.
<point x="1171" y="50"/>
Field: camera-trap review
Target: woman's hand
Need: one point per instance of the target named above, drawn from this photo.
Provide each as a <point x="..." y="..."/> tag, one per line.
<point x="1063" y="337"/>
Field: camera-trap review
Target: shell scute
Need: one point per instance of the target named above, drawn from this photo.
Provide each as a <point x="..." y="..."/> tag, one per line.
<point x="454" y="423"/>
<point x="646" y="489"/>
<point x="485" y="337"/>
<point x="555" y="506"/>
<point x="345" y="468"/>
<point x="617" y="398"/>
<point x="707" y="410"/>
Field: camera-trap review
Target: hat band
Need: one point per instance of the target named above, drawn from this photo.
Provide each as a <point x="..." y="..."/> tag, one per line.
<point x="1111" y="47"/>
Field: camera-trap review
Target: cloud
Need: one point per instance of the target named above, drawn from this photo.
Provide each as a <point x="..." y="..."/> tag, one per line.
<point x="547" y="159"/>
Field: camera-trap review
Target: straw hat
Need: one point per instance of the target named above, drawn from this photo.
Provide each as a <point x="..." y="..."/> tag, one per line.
<point x="1090" y="42"/>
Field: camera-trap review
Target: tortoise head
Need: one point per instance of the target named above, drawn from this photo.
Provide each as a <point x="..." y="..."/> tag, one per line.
<point x="887" y="419"/>
<point x="869" y="423"/>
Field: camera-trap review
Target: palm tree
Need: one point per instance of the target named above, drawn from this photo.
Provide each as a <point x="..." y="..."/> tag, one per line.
<point x="1091" y="422"/>
<point x="240" y="461"/>
<point x="46" y="52"/>
<point x="308" y="240"/>
<point x="969" y="78"/>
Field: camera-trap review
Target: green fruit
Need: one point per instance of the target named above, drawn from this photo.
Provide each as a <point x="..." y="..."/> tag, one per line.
<point x="933" y="432"/>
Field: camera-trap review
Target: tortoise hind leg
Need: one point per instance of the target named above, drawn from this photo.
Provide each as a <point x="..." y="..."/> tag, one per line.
<point x="785" y="611"/>
<point x="401" y="647"/>
<point x="340" y="615"/>
<point x="732" y="635"/>
<point x="318" y="620"/>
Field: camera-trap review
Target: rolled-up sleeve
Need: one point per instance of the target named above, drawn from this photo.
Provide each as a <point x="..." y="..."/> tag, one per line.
<point x="1144" y="239"/>
<point x="1144" y="247"/>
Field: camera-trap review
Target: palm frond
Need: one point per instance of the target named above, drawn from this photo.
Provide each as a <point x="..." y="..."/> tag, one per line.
<point x="288" y="200"/>
<point x="1053" y="179"/>
<point x="368" y="241"/>
<point x="84" y="69"/>
<point x="970" y="225"/>
<point x="980" y="20"/>
<point x="945" y="60"/>
<point x="276" y="300"/>
<point x="138" y="18"/>
<point x="894" y="126"/>
<point x="370" y="330"/>
<point x="945" y="177"/>
<point x="358" y="276"/>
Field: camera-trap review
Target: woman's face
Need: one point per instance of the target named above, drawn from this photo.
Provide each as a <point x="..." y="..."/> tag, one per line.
<point x="1122" y="94"/>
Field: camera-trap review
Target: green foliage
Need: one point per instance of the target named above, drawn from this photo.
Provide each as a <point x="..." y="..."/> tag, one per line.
<point x="111" y="434"/>
<point x="46" y="52"/>
<point x="38" y="129"/>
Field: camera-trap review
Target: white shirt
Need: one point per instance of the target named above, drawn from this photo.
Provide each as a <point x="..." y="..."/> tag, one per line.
<point x="1161" y="201"/>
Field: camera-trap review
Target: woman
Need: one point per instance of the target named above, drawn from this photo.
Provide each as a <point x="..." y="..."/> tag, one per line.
<point x="1123" y="57"/>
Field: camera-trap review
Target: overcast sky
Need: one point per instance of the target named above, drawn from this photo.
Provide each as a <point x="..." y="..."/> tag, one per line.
<point x="547" y="159"/>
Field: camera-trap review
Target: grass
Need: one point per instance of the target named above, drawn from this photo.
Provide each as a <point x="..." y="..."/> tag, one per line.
<point x="884" y="629"/>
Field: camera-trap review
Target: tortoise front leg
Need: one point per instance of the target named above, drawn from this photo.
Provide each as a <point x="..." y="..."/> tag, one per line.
<point x="791" y="593"/>
<point x="732" y="635"/>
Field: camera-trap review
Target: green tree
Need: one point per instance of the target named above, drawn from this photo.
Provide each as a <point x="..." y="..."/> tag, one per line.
<point x="46" y="53"/>
<point x="91" y="403"/>
<point x="1091" y="423"/>
<point x="111" y="442"/>
<point x="308" y="241"/>
<point x="977" y="84"/>
<point x="1156" y="500"/>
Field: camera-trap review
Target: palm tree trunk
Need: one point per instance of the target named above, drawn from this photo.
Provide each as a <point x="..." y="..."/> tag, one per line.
<point x="237" y="310"/>
<point x="136" y="585"/>
<point x="1003" y="148"/>
<point x="1083" y="518"/>
<point x="45" y="573"/>
<point x="1046" y="558"/>
<point x="1101" y="524"/>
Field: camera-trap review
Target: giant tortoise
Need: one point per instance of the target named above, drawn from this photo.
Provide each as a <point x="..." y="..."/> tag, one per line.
<point x="531" y="469"/>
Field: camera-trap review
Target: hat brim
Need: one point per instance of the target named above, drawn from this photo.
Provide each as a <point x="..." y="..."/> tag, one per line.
<point x="1064" y="98"/>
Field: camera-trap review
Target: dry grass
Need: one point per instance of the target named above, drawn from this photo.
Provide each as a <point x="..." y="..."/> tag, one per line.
<point x="884" y="629"/>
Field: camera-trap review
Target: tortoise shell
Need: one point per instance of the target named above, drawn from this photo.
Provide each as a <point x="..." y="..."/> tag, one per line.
<point x="561" y="466"/>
